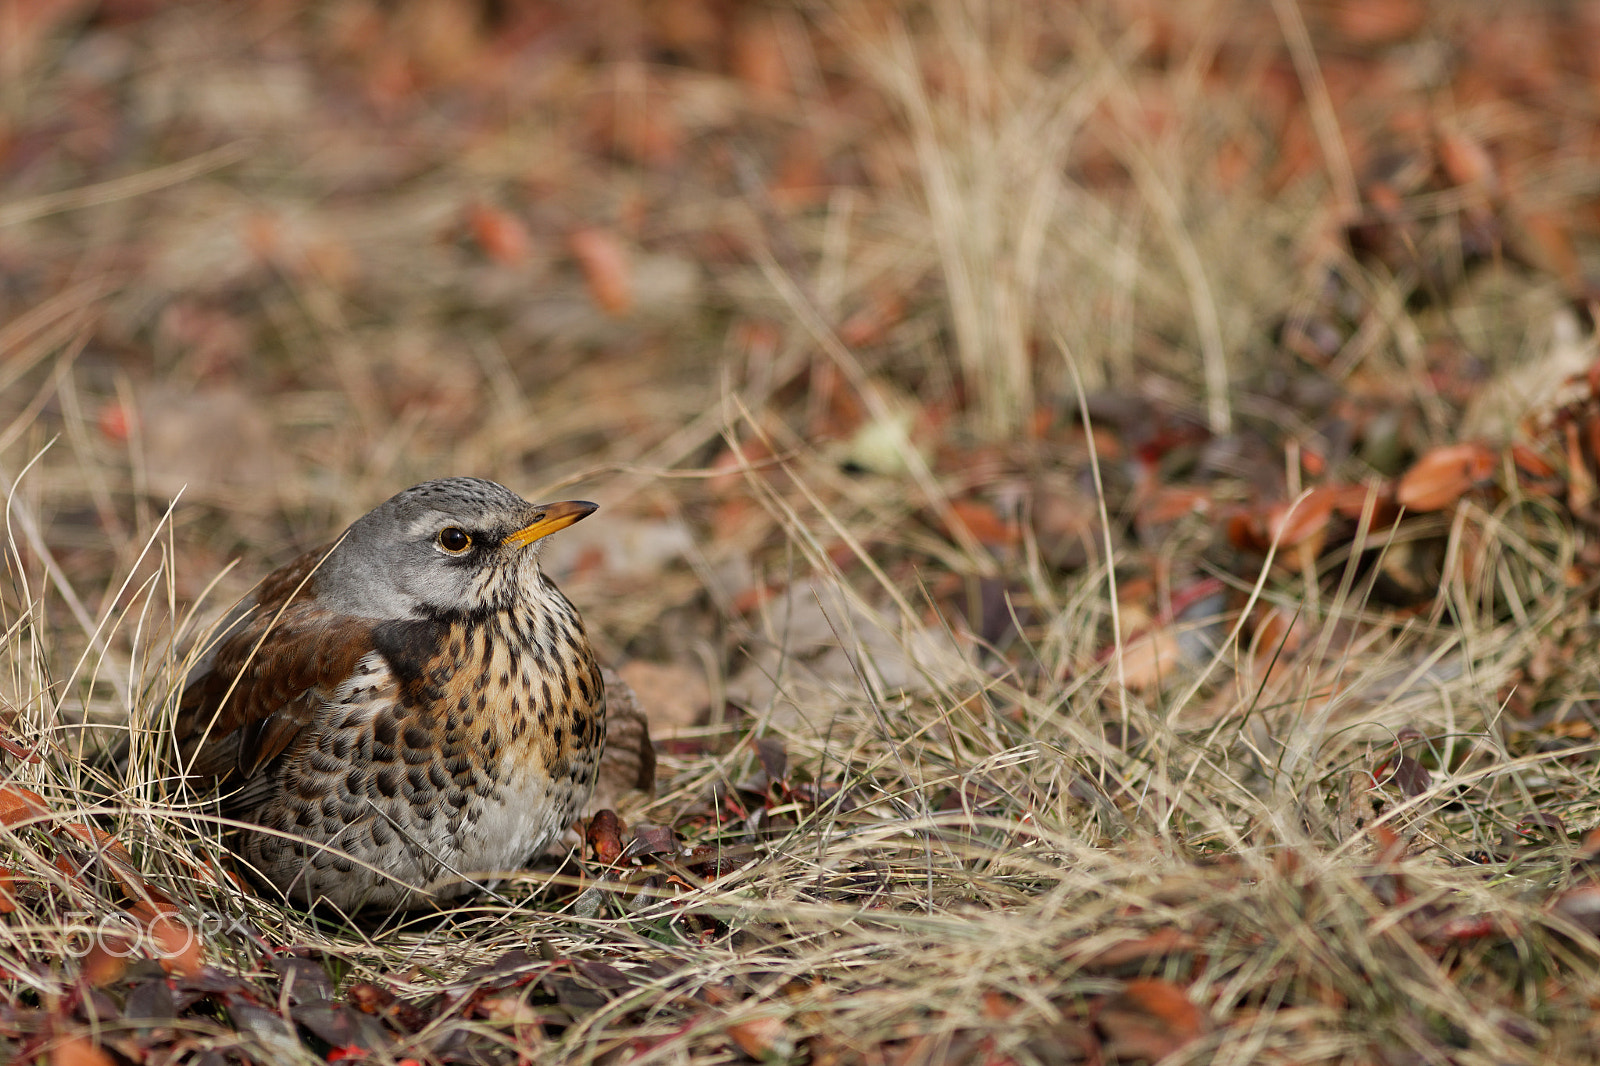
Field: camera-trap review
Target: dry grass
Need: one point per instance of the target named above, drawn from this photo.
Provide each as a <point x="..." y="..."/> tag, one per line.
<point x="1026" y="795"/>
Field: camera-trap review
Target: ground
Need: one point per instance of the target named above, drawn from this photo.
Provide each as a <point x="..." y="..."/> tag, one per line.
<point x="1099" y="507"/>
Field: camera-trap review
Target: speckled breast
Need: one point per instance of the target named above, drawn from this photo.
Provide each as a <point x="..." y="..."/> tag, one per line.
<point x="456" y="750"/>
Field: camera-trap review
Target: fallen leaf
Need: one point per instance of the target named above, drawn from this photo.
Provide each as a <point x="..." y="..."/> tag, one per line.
<point x="20" y="805"/>
<point x="79" y="1051"/>
<point x="1156" y="945"/>
<point x="604" y="837"/>
<point x="1444" y="475"/>
<point x="604" y="263"/>
<point x="1150" y="1019"/>
<point x="500" y="234"/>
<point x="1303" y="520"/>
<point x="763" y="1039"/>
<point x="1465" y="161"/>
<point x="1378" y="21"/>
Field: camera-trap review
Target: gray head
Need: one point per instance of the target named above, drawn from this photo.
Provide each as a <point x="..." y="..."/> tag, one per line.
<point x="445" y="546"/>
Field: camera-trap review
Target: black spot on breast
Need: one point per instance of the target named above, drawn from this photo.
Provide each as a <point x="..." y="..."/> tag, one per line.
<point x="412" y="647"/>
<point x="417" y="738"/>
<point x="388" y="781"/>
<point x="384" y="730"/>
<point x="484" y="738"/>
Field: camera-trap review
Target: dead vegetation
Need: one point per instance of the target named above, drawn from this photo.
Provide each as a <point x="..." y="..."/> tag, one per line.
<point x="1099" y="502"/>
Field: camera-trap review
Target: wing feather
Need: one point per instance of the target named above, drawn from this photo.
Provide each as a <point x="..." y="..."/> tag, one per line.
<point x="277" y="663"/>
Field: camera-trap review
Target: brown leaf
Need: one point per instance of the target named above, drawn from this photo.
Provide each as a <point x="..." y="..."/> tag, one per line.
<point x="1150" y="1019"/>
<point x="1444" y="475"/>
<point x="1581" y="486"/>
<point x="758" y="59"/>
<point x="651" y="840"/>
<point x="604" y="837"/>
<point x="1278" y="631"/>
<point x="79" y="1051"/>
<point x="1530" y="463"/>
<point x="763" y="1038"/>
<point x="1378" y="21"/>
<point x="605" y="267"/>
<point x="1465" y="161"/>
<point x="984" y="524"/>
<point x="871" y="324"/>
<point x="1406" y="774"/>
<point x="1301" y="521"/>
<point x="19" y="805"/>
<point x="500" y="234"/>
<point x="1156" y="945"/>
<point x="177" y="946"/>
<point x="106" y="960"/>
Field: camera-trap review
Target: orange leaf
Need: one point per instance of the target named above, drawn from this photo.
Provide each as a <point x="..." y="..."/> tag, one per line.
<point x="107" y="959"/>
<point x="982" y="522"/>
<point x="1379" y="21"/>
<point x="1168" y="503"/>
<point x="1150" y="1019"/>
<point x="605" y="267"/>
<point x="1465" y="161"/>
<point x="1444" y="475"/>
<point x="604" y="837"/>
<point x="79" y="1051"/>
<point x="19" y="805"/>
<point x="177" y="946"/>
<point x="883" y="312"/>
<point x="1278" y="632"/>
<point x="8" y="896"/>
<point x="500" y="234"/>
<point x="1530" y="463"/>
<point x="763" y="1038"/>
<point x="1295" y="522"/>
<point x="758" y="59"/>
<point x="1157" y="945"/>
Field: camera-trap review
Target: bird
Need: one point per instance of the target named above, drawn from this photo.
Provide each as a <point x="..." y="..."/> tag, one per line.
<point x="392" y="718"/>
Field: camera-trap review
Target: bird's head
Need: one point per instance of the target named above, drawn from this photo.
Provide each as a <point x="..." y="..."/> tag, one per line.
<point x="441" y="549"/>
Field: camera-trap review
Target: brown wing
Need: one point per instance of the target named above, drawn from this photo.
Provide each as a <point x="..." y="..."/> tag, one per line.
<point x="267" y="676"/>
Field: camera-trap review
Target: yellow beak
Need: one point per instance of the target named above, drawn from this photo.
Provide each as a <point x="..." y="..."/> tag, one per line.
<point x="550" y="518"/>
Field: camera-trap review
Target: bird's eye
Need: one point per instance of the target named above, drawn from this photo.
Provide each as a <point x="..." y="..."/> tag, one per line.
<point x="454" y="539"/>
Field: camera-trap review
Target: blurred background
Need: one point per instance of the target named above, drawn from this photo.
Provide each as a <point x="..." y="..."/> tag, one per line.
<point x="288" y="257"/>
